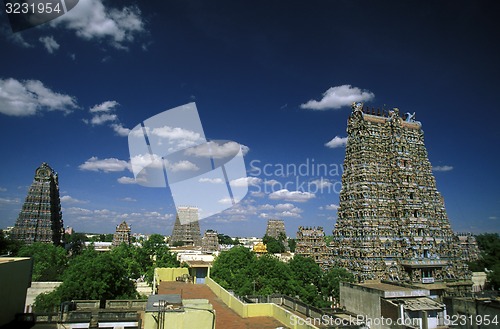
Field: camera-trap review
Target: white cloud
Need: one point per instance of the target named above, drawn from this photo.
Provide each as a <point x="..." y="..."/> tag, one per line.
<point x="107" y="215"/>
<point x="294" y="196"/>
<point x="105" y="165"/>
<point x="128" y="199"/>
<point x="9" y="200"/>
<point x="68" y="199"/>
<point x="183" y="165"/>
<point x="271" y="182"/>
<point x="257" y="194"/>
<point x="216" y="150"/>
<point x="92" y="20"/>
<point x="103" y="118"/>
<point x="245" y="181"/>
<point x="25" y="98"/>
<point x="331" y="207"/>
<point x="321" y="183"/>
<point x="337" y="97"/>
<point x="106" y="106"/>
<point x="288" y="214"/>
<point x="120" y="130"/>
<point x="49" y="43"/>
<point x="103" y="113"/>
<point x="126" y="180"/>
<point x="211" y="180"/>
<point x="337" y="141"/>
<point x="442" y="168"/>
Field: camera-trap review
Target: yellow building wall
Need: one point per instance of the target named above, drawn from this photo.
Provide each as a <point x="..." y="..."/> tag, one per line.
<point x="169" y="273"/>
<point x="287" y="318"/>
<point x="15" y="279"/>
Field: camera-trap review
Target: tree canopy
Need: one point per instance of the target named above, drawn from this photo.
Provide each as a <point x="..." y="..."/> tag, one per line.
<point x="240" y="270"/>
<point x="489" y="259"/>
<point x="49" y="261"/>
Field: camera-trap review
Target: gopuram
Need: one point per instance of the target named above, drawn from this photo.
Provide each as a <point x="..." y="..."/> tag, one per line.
<point x="40" y="218"/>
<point x="122" y="234"/>
<point x="392" y="224"/>
<point x="311" y="243"/>
<point x="186" y="234"/>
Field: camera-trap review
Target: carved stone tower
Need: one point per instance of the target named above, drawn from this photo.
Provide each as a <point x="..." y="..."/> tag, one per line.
<point x="392" y="223"/>
<point x="311" y="243"/>
<point x="40" y="218"/>
<point x="186" y="234"/>
<point x="122" y="234"/>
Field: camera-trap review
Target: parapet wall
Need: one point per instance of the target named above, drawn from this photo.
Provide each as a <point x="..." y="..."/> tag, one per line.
<point x="287" y="318"/>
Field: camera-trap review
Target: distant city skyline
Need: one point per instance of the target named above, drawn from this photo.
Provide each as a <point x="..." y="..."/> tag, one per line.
<point x="278" y="79"/>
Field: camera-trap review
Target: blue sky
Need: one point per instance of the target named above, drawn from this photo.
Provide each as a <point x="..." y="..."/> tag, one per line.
<point x="274" y="76"/>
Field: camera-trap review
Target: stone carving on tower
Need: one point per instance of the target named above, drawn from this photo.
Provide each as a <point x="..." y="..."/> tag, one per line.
<point x="276" y="229"/>
<point x="122" y="234"/>
<point x="186" y="234"/>
<point x="392" y="223"/>
<point x="40" y="218"/>
<point x="311" y="243"/>
<point x="210" y="242"/>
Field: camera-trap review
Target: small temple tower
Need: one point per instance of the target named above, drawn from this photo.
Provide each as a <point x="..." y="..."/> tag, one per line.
<point x="276" y="229"/>
<point x="122" y="234"/>
<point x="186" y="234"/>
<point x="40" y="218"/>
<point x="311" y="243"/>
<point x="210" y="242"/>
<point x="392" y="223"/>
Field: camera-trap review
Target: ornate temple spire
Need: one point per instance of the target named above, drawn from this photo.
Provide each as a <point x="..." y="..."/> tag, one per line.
<point x="40" y="218"/>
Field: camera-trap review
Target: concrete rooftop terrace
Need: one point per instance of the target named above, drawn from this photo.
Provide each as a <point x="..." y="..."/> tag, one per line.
<point x="225" y="317"/>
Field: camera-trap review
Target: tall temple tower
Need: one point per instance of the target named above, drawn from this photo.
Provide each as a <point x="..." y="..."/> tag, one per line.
<point x="392" y="223"/>
<point x="40" y="218"/>
<point x="186" y="234"/>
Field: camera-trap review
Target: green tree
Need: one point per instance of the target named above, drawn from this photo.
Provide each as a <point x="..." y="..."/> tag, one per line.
<point x="90" y="275"/>
<point x="273" y="245"/>
<point x="272" y="276"/>
<point x="8" y="246"/>
<point x="330" y="282"/>
<point x="155" y="253"/>
<point x="128" y="255"/>
<point x="226" y="239"/>
<point x="292" y="244"/>
<point x="49" y="261"/>
<point x="75" y="242"/>
<point x="489" y="259"/>
<point x="233" y="269"/>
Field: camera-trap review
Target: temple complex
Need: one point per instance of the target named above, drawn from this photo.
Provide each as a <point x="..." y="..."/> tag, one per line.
<point x="122" y="234"/>
<point x="40" y="218"/>
<point x="210" y="241"/>
<point x="392" y="223"/>
<point x="186" y="234"/>
<point x="311" y="243"/>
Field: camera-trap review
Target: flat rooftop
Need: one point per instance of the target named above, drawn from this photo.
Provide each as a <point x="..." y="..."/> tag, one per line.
<point x="224" y="316"/>
<point x="388" y="290"/>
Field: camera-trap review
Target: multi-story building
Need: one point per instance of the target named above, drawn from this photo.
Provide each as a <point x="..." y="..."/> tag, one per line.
<point x="40" y="218"/>
<point x="392" y="223"/>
